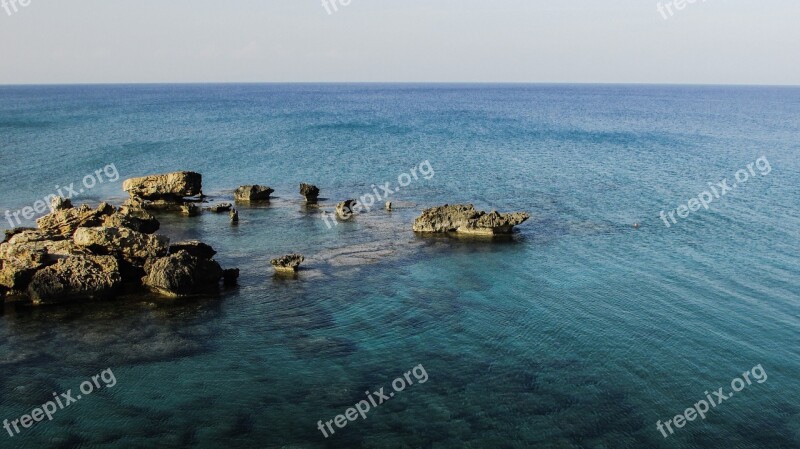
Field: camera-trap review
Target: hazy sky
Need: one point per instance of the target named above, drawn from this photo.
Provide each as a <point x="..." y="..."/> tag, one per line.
<point x="612" y="41"/>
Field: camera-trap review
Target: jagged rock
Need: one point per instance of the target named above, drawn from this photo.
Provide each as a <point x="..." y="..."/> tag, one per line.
<point x="195" y="248"/>
<point x="252" y="193"/>
<point x="344" y="210"/>
<point x="389" y="206"/>
<point x="288" y="263"/>
<point x="28" y="251"/>
<point x="310" y="192"/>
<point x="132" y="246"/>
<point x="190" y="210"/>
<point x="234" y="215"/>
<point x="221" y="207"/>
<point x="63" y="222"/>
<point x="12" y="232"/>
<point x="182" y="274"/>
<point x="76" y="278"/>
<point x="170" y="187"/>
<point x="465" y="219"/>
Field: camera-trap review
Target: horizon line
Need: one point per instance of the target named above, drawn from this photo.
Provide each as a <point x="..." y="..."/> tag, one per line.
<point x="163" y="83"/>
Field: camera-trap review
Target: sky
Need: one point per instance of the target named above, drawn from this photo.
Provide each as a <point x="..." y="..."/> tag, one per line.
<point x="534" y="41"/>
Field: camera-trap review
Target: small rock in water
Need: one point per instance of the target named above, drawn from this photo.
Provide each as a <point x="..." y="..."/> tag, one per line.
<point x="190" y="210"/>
<point x="252" y="193"/>
<point x="288" y="263"/>
<point x="310" y="192"/>
<point x="344" y="210"/>
<point x="221" y="207"/>
<point x="389" y="206"/>
<point x="234" y="214"/>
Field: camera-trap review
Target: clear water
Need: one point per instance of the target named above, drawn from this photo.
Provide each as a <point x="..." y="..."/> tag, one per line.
<point x="580" y="332"/>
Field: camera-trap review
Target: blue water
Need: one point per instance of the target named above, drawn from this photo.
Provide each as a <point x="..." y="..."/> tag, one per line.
<point x="579" y="332"/>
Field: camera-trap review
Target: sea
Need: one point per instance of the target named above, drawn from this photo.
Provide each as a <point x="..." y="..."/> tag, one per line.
<point x="660" y="264"/>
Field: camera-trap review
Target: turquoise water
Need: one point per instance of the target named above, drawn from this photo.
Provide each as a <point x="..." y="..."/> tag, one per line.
<point x="579" y="332"/>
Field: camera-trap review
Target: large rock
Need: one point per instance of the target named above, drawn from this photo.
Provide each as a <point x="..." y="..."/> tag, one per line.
<point x="463" y="218"/>
<point x="76" y="278"/>
<point x="289" y="263"/>
<point x="132" y="246"/>
<point x="252" y="193"/>
<point x="182" y="274"/>
<point x="170" y="186"/>
<point x="132" y="218"/>
<point x="310" y="192"/>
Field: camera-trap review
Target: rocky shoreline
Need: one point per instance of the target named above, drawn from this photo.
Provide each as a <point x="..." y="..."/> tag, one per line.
<point x="80" y="253"/>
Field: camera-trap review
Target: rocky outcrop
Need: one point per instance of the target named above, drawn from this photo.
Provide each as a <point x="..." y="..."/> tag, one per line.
<point x="172" y="187"/>
<point x="83" y="254"/>
<point x="344" y="210"/>
<point x="195" y="248"/>
<point x="190" y="210"/>
<point x="289" y="263"/>
<point x="182" y="274"/>
<point x="310" y="192"/>
<point x="76" y="278"/>
<point x="463" y="218"/>
<point x="252" y="193"/>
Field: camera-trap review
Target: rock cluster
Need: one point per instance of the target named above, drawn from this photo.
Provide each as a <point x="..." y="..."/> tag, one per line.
<point x="463" y="218"/>
<point x="289" y="263"/>
<point x="252" y="193"/>
<point x="83" y="253"/>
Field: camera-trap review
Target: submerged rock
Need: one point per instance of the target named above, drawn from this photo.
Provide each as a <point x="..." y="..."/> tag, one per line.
<point x="344" y="210"/>
<point x="221" y="207"/>
<point x="310" y="192"/>
<point x="289" y="263"/>
<point x="182" y="274"/>
<point x="252" y="193"/>
<point x="465" y="219"/>
<point x="76" y="278"/>
<point x="170" y="186"/>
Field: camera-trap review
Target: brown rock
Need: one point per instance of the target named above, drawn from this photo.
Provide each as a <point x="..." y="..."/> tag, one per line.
<point x="76" y="278"/>
<point x="170" y="186"/>
<point x="252" y="193"/>
<point x="465" y="219"/>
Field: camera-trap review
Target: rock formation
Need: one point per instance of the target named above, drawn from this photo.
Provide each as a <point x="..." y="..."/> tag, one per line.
<point x="163" y="192"/>
<point x="252" y="193"/>
<point x="463" y="218"/>
<point x="83" y="253"/>
<point x="310" y="192"/>
<point x="170" y="187"/>
<point x="289" y="263"/>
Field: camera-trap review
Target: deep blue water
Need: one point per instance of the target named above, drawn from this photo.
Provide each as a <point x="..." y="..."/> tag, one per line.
<point x="580" y="332"/>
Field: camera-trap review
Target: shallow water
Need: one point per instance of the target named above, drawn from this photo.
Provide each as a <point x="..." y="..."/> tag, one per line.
<point x="579" y="332"/>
